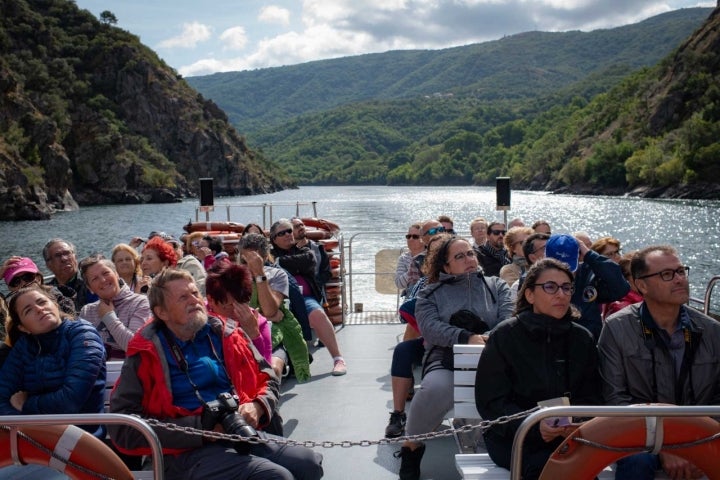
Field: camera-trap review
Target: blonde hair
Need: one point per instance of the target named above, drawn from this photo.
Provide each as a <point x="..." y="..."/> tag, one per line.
<point x="124" y="247"/>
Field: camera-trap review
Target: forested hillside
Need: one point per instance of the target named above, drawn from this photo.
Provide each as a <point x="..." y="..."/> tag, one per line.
<point x="535" y="115"/>
<point x="88" y="115"/>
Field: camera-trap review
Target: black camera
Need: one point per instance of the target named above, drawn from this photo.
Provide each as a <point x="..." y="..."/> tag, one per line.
<point x="224" y="410"/>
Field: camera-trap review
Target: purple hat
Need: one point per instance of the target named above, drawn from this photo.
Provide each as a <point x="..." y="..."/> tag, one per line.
<point x="22" y="265"/>
<point x="565" y="248"/>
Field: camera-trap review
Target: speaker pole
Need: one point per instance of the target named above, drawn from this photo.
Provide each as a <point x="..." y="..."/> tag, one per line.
<point x="207" y="197"/>
<point x="502" y="191"/>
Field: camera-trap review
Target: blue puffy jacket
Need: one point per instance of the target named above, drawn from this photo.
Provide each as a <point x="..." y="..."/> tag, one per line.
<point x="62" y="371"/>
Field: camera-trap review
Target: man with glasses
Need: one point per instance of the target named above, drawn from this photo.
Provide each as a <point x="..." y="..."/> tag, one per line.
<point x="300" y="263"/>
<point x="60" y="258"/>
<point x="659" y="351"/>
<point x="492" y="255"/>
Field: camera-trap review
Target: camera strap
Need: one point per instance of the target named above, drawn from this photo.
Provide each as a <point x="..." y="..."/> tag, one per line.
<point x="183" y="365"/>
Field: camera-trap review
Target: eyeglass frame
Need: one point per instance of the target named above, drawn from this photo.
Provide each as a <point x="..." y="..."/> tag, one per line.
<point x="668" y="271"/>
<point x="567" y="287"/>
<point x="414" y="236"/>
<point x="462" y="256"/>
<point x="497" y="232"/>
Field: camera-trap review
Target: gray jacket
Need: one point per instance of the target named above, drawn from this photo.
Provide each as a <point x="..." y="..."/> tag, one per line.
<point x="487" y="297"/>
<point x="626" y="362"/>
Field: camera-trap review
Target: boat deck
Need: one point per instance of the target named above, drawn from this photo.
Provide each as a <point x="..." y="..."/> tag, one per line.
<point x="356" y="406"/>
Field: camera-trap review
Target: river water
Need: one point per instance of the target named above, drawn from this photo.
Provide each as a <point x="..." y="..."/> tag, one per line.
<point x="692" y="226"/>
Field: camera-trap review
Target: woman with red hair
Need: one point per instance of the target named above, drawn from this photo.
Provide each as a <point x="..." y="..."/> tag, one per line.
<point x="156" y="256"/>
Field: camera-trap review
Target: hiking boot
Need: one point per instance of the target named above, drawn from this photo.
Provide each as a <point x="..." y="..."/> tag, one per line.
<point x="410" y="462"/>
<point x="396" y="426"/>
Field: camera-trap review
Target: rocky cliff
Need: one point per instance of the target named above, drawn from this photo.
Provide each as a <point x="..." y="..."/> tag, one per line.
<point x="88" y="116"/>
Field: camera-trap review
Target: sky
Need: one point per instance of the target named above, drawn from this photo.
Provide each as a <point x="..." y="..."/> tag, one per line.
<point x="200" y="37"/>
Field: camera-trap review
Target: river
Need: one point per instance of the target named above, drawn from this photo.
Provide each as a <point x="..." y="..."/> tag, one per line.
<point x="692" y="226"/>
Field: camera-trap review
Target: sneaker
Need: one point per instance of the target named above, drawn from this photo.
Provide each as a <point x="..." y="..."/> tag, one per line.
<point x="339" y="368"/>
<point x="396" y="426"/>
<point x="410" y="462"/>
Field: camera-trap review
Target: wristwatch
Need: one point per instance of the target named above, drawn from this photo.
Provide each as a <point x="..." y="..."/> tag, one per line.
<point x="260" y="279"/>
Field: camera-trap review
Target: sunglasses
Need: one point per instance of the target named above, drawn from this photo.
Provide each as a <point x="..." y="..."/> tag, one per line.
<point x="414" y="236"/>
<point x="435" y="230"/>
<point x="282" y="233"/>
<point x="22" y="278"/>
<point x="497" y="232"/>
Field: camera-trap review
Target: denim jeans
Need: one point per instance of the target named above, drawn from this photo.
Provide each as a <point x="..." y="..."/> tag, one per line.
<point x="641" y="466"/>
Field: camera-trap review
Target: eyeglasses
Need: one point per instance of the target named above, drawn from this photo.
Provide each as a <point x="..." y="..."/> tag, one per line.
<point x="196" y="243"/>
<point x="450" y="231"/>
<point x="414" y="236"/>
<point x="435" y="230"/>
<point x="282" y="233"/>
<point x="551" y="288"/>
<point x="22" y="278"/>
<point x="460" y="257"/>
<point x="498" y="232"/>
<point x="60" y="255"/>
<point x="668" y="275"/>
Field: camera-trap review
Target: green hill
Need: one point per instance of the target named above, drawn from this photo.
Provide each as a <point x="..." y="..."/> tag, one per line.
<point x="520" y="106"/>
<point x="88" y="115"/>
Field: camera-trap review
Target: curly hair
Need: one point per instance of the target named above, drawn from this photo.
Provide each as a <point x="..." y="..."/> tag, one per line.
<point x="228" y="279"/>
<point x="165" y="251"/>
<point x="437" y="256"/>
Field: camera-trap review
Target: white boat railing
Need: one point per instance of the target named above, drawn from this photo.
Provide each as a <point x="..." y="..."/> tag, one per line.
<point x="267" y="209"/>
<point x="96" y="419"/>
<point x="706" y="301"/>
<point x="597" y="411"/>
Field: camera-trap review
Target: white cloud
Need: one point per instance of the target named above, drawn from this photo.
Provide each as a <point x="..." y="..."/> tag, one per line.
<point x="234" y="38"/>
<point x="192" y="34"/>
<point x="275" y="15"/>
<point x="336" y="28"/>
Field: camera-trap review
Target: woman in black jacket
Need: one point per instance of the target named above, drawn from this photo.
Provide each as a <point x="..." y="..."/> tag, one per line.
<point x="539" y="354"/>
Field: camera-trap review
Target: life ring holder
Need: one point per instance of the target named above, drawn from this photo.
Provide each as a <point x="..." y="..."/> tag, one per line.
<point x="87" y="456"/>
<point x="580" y="456"/>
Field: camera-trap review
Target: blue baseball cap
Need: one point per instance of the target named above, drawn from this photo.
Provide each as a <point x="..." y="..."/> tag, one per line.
<point x="565" y="248"/>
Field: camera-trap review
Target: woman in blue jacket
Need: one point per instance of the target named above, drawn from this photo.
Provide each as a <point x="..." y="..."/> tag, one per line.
<point x="55" y="365"/>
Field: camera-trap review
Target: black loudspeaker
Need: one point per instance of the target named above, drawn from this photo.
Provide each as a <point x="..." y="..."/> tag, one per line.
<point x="206" y="192"/>
<point x="502" y="189"/>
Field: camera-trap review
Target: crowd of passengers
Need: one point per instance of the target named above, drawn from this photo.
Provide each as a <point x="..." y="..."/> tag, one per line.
<point x="221" y="331"/>
<point x="562" y="318"/>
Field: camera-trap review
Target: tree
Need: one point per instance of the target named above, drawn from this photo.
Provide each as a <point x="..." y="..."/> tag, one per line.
<point x="108" y="18"/>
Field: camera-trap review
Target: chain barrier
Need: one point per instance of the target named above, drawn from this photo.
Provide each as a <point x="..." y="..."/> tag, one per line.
<point x="51" y="453"/>
<point x="483" y="425"/>
<point x="672" y="446"/>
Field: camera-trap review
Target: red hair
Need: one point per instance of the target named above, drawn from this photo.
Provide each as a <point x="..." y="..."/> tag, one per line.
<point x="164" y="250"/>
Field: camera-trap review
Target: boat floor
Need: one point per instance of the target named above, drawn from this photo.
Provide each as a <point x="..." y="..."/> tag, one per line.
<point x="356" y="406"/>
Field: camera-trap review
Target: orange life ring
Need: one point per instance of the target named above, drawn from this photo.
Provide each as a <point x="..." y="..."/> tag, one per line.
<point x="214" y="227"/>
<point x="332" y="292"/>
<point x="336" y="319"/>
<point x="334" y="310"/>
<point x="330" y="244"/>
<point x="321" y="224"/>
<point x="317" y="235"/>
<point x="576" y="460"/>
<point x="334" y="262"/>
<point x="69" y="442"/>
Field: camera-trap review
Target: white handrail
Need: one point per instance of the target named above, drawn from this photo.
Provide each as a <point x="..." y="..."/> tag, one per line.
<point x="589" y="411"/>
<point x="97" y="419"/>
